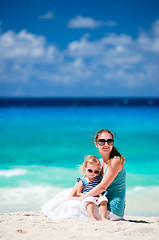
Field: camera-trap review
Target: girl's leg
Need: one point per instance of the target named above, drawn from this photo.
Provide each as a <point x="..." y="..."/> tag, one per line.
<point x="103" y="210"/>
<point x="90" y="209"/>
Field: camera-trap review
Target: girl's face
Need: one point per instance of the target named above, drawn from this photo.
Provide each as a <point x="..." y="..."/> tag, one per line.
<point x="92" y="170"/>
<point x="103" y="145"/>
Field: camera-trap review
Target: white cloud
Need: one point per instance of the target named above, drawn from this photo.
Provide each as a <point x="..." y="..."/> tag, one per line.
<point x="87" y="22"/>
<point x="21" y="53"/>
<point x="84" y="48"/>
<point x="150" y="42"/>
<point x="155" y="28"/>
<point x="108" y="51"/>
<point x="48" y="15"/>
<point x="113" y="59"/>
<point x="24" y="46"/>
<point x="119" y="58"/>
<point x="147" y="43"/>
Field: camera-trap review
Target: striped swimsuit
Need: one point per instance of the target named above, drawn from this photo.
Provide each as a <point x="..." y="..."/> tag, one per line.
<point x="87" y="186"/>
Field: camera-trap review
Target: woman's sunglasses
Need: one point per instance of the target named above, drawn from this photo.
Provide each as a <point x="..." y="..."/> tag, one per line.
<point x="91" y="171"/>
<point x="102" y="142"/>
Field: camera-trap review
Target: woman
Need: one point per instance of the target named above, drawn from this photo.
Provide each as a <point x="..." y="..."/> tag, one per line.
<point x="114" y="175"/>
<point x="113" y="185"/>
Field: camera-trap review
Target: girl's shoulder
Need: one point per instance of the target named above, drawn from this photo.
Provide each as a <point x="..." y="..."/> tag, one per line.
<point x="83" y="179"/>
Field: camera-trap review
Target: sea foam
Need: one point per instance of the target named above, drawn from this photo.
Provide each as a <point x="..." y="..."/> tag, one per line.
<point x="12" y="172"/>
<point x="26" y="198"/>
<point x="140" y="201"/>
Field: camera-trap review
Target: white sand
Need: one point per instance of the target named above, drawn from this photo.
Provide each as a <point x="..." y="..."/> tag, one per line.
<point x="35" y="226"/>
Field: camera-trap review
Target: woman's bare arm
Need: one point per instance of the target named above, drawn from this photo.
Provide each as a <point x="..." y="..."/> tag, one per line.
<point x="113" y="170"/>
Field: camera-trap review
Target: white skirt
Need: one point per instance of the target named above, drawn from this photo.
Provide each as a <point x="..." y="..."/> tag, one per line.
<point x="60" y="208"/>
<point x="96" y="201"/>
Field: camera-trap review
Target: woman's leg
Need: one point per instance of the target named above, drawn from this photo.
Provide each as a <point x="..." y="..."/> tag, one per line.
<point x="113" y="217"/>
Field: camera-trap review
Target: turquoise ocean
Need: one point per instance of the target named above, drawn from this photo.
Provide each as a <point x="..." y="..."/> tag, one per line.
<point x="42" y="147"/>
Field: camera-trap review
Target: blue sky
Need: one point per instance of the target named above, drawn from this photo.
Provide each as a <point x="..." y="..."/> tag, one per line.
<point x="79" y="48"/>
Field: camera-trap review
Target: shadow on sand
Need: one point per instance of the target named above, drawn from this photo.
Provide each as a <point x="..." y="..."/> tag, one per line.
<point x="136" y="221"/>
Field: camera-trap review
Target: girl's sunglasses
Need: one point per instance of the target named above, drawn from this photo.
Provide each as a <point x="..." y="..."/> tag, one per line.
<point x="102" y="142"/>
<point x="91" y="171"/>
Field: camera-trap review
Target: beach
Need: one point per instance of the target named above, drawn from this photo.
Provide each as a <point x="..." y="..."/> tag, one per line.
<point x="34" y="225"/>
<point x="41" y="150"/>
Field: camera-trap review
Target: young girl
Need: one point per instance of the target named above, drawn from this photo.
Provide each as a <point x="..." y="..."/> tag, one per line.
<point x="62" y="207"/>
<point x="92" y="177"/>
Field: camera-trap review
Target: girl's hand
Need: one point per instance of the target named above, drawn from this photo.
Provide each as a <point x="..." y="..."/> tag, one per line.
<point x="77" y="198"/>
<point x="69" y="198"/>
<point x="96" y="198"/>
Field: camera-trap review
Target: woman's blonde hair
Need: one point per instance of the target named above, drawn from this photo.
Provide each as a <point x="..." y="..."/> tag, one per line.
<point x="114" y="152"/>
<point x="89" y="159"/>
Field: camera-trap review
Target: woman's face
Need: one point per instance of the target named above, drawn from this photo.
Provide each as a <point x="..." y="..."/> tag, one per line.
<point x="106" y="146"/>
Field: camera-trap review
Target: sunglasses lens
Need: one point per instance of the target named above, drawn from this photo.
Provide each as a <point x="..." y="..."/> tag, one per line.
<point x="101" y="142"/>
<point x="110" y="141"/>
<point x="90" y="171"/>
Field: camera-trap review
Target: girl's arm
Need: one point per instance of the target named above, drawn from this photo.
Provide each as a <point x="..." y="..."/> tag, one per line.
<point x="112" y="172"/>
<point x="79" y="189"/>
<point x="73" y="193"/>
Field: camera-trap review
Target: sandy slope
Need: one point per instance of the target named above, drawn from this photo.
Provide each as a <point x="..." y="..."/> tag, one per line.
<point x="34" y="225"/>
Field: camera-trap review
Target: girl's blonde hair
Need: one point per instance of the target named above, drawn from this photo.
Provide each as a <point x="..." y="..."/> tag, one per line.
<point x="114" y="152"/>
<point x="89" y="159"/>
